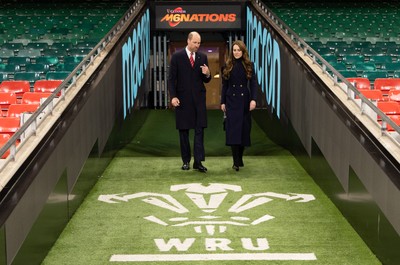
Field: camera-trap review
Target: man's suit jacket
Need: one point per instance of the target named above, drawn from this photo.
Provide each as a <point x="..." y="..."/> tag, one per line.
<point x="187" y="84"/>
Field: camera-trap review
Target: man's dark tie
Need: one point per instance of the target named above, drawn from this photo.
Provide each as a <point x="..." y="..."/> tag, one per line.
<point x="191" y="59"/>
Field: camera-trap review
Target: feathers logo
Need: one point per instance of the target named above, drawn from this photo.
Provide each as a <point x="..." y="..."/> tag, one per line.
<point x="214" y="214"/>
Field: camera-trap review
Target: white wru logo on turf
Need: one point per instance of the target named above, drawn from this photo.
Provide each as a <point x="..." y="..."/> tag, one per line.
<point x="209" y="199"/>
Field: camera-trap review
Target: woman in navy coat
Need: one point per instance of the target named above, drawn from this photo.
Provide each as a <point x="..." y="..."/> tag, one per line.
<point x="238" y="99"/>
<point x="188" y="96"/>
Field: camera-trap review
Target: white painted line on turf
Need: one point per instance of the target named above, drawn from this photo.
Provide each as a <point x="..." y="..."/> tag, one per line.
<point x="204" y="257"/>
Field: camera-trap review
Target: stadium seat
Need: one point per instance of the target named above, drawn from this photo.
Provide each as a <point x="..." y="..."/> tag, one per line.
<point x="62" y="46"/>
<point x="31" y="53"/>
<point x="394" y="95"/>
<point x="21" y="61"/>
<point x="57" y="75"/>
<point x="360" y="82"/>
<point x="49" y="60"/>
<point x="37" y="46"/>
<point x="34" y="97"/>
<point x="18" y="87"/>
<point x="37" y="68"/>
<point x="352" y="59"/>
<point x="4" y="137"/>
<point x="395" y="119"/>
<point x="6" y="99"/>
<point x="372" y="75"/>
<point x="31" y="77"/>
<point x="12" y="46"/>
<point x="46" y="86"/>
<point x="9" y="125"/>
<point x="364" y="66"/>
<point x="348" y="73"/>
<point x="387" y="84"/>
<point x="389" y="107"/>
<point x="372" y="94"/>
<point x="15" y="110"/>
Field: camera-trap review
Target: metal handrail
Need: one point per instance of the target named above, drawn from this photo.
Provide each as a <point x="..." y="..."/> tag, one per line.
<point x="324" y="65"/>
<point x="46" y="108"/>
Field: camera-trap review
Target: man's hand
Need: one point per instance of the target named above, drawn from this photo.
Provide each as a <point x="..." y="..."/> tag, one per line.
<point x="205" y="70"/>
<point x="252" y="105"/>
<point x="175" y="102"/>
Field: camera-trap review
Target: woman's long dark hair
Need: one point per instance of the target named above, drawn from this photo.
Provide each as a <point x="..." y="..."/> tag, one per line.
<point x="231" y="60"/>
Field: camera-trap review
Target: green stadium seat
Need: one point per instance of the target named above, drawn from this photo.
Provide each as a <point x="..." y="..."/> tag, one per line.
<point x="392" y="66"/>
<point x="12" y="46"/>
<point x="31" y="53"/>
<point x="28" y="76"/>
<point x="348" y="73"/>
<point x="380" y="60"/>
<point x="343" y="51"/>
<point x="360" y="44"/>
<point x="386" y="44"/>
<point x="352" y="59"/>
<point x="371" y="51"/>
<point x="62" y="45"/>
<point x="5" y="53"/>
<point x="59" y="53"/>
<point x="364" y="66"/>
<point x="372" y="75"/>
<point x="49" y="60"/>
<point x="37" y="46"/>
<point x="37" y="68"/>
<point x="74" y="59"/>
<point x="21" y="61"/>
<point x="79" y="51"/>
<point x="57" y="75"/>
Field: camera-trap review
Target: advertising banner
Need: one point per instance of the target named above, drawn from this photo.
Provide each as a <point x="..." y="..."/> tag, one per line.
<point x="177" y="17"/>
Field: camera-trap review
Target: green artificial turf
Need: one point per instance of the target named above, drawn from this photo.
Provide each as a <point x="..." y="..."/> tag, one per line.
<point x="148" y="169"/>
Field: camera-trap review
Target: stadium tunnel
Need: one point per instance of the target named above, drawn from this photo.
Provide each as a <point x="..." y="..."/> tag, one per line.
<point x="299" y="107"/>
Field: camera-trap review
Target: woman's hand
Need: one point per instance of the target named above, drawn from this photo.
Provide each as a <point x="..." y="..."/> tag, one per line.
<point x="253" y="105"/>
<point x="223" y="107"/>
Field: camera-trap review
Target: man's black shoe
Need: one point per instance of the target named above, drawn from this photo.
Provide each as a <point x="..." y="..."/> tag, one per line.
<point x="186" y="166"/>
<point x="199" y="167"/>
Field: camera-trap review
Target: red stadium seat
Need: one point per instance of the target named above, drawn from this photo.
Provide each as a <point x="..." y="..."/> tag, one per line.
<point x="9" y="125"/>
<point x="387" y="84"/>
<point x="372" y="94"/>
<point x="394" y="95"/>
<point x="47" y="86"/>
<point x="389" y="107"/>
<point x="15" y="110"/>
<point x="33" y="97"/>
<point x="360" y="82"/>
<point x="7" y="98"/>
<point x="396" y="119"/>
<point x="4" y="137"/>
<point x="18" y="87"/>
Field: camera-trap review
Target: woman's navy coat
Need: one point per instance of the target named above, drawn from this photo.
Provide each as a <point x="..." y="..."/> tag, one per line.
<point x="187" y="84"/>
<point x="237" y="92"/>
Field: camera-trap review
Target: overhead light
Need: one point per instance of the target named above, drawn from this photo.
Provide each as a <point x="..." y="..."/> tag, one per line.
<point x="216" y="75"/>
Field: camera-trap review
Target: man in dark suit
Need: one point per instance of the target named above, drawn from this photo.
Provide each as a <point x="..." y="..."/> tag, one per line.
<point x="188" y="73"/>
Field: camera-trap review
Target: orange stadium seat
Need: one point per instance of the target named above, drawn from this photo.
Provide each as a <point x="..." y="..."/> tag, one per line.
<point x="9" y="125"/>
<point x="360" y="82"/>
<point x="18" y="87"/>
<point x="396" y="119"/>
<point x="47" y="86"/>
<point x="389" y="107"/>
<point x="34" y="97"/>
<point x="394" y="95"/>
<point x="16" y="110"/>
<point x="387" y="84"/>
<point x="4" y="137"/>
<point x="372" y="94"/>
<point x="6" y="99"/>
